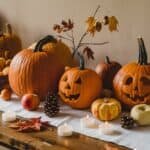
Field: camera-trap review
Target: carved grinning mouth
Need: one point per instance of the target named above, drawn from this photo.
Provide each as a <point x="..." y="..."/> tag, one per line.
<point x="71" y="96"/>
<point x="137" y="97"/>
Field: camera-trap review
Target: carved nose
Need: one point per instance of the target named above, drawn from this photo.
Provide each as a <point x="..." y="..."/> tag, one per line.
<point x="136" y="88"/>
<point x="67" y="86"/>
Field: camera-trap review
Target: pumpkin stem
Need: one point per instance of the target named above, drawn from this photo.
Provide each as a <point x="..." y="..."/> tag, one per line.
<point x="144" y="55"/>
<point x="143" y="60"/>
<point x="82" y="65"/>
<point x="8" y="29"/>
<point x="140" y="52"/>
<point x="44" y="41"/>
<point x="108" y="60"/>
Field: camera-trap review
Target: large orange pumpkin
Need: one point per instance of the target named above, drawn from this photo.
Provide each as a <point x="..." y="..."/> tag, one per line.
<point x="10" y="43"/>
<point x="35" y="70"/>
<point x="78" y="86"/>
<point x="132" y="82"/>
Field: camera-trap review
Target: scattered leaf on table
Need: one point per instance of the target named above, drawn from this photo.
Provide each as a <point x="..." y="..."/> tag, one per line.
<point x="33" y="124"/>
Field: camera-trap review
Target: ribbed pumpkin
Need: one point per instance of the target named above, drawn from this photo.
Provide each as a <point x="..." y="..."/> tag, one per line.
<point x="79" y="86"/>
<point x="62" y="51"/>
<point x="132" y="82"/>
<point x="10" y="43"/>
<point x="107" y="71"/>
<point x="106" y="109"/>
<point x="35" y="70"/>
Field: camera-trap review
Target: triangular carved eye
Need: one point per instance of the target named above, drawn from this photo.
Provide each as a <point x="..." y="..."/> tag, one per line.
<point x="65" y="78"/>
<point x="129" y="81"/>
<point x="145" y="80"/>
<point x="78" y="81"/>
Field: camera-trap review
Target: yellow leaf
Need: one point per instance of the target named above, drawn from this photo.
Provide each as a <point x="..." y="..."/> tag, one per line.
<point x="113" y="23"/>
<point x="91" y="21"/>
<point x="91" y="25"/>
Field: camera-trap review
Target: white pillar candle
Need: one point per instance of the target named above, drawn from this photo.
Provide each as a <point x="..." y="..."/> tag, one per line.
<point x="8" y="116"/>
<point x="88" y="122"/>
<point x="106" y="128"/>
<point x="64" y="130"/>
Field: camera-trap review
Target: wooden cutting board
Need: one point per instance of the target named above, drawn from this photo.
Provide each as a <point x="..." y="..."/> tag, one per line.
<point x="49" y="140"/>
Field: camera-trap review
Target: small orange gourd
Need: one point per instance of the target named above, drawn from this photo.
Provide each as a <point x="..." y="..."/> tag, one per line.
<point x="106" y="109"/>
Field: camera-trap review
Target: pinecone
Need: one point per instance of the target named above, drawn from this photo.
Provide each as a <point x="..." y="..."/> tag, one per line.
<point x="127" y="122"/>
<point x="51" y="107"/>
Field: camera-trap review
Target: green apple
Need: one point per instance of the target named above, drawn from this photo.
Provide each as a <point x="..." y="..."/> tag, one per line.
<point x="141" y="114"/>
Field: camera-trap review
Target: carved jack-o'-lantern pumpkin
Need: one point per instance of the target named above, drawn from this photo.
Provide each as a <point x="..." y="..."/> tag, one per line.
<point x="78" y="87"/>
<point x="132" y="82"/>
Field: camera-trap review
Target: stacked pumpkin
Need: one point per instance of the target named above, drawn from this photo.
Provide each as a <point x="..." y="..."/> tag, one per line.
<point x="10" y="44"/>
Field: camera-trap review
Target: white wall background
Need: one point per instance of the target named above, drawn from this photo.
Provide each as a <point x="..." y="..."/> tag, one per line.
<point x="33" y="19"/>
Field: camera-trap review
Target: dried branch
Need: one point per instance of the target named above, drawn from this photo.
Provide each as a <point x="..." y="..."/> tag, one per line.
<point x="103" y="43"/>
<point x="84" y="34"/>
<point x="63" y="37"/>
<point x="96" y="11"/>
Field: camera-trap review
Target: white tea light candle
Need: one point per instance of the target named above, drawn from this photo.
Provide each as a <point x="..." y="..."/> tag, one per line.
<point x="88" y="122"/>
<point x="8" y="116"/>
<point x="64" y="130"/>
<point x="106" y="128"/>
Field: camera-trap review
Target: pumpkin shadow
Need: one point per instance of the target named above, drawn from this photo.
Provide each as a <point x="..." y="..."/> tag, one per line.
<point x="116" y="133"/>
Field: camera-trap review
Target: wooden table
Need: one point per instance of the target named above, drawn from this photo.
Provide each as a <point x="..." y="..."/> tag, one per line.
<point x="48" y="140"/>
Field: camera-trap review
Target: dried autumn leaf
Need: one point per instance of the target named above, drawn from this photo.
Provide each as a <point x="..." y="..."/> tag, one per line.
<point x="70" y="24"/>
<point x="98" y="26"/>
<point x="106" y="20"/>
<point x="113" y="22"/>
<point x="88" y="51"/>
<point x="34" y="124"/>
<point x="64" y="23"/>
<point x="91" y="25"/>
<point x="57" y="28"/>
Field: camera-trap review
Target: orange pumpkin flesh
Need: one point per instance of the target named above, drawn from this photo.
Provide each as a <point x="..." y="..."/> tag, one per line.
<point x="35" y="71"/>
<point x="78" y="87"/>
<point x="132" y="82"/>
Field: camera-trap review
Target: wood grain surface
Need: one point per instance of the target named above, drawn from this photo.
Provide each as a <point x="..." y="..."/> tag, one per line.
<point x="49" y="140"/>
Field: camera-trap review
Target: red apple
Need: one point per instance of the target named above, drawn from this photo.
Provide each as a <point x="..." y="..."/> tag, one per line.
<point x="30" y="101"/>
